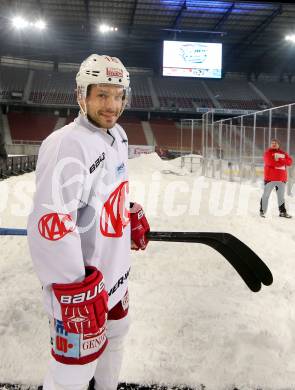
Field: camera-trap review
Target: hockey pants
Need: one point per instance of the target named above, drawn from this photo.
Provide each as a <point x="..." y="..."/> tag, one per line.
<point x="105" y="369"/>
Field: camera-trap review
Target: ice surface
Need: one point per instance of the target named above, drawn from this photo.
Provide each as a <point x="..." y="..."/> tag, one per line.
<point x="193" y="319"/>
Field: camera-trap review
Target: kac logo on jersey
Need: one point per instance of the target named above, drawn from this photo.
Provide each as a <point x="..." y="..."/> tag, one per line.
<point x="55" y="226"/>
<point x="115" y="212"/>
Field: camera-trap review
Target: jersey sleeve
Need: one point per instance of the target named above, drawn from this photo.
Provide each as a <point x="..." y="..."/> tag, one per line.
<point x="62" y="188"/>
<point x="288" y="160"/>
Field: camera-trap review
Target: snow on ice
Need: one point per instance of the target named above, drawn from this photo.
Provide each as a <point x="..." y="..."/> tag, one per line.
<point x="194" y="321"/>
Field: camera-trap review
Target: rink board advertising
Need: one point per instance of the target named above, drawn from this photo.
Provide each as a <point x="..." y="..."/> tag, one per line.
<point x="192" y="59"/>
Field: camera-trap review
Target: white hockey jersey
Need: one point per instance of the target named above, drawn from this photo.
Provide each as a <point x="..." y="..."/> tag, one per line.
<point x="80" y="213"/>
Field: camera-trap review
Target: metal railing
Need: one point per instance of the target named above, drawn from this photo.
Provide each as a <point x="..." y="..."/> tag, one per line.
<point x="233" y="148"/>
<point x="17" y="165"/>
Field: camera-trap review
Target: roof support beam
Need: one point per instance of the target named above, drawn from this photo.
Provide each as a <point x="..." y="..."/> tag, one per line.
<point x="86" y="5"/>
<point x="179" y="15"/>
<point x="224" y="18"/>
<point x="40" y="8"/>
<point x="248" y="40"/>
<point x="131" y="24"/>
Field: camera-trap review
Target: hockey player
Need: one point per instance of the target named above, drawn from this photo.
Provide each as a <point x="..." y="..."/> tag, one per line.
<point x="275" y="176"/>
<point x="80" y="231"/>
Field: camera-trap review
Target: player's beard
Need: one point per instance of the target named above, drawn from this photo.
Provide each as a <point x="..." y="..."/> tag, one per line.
<point x="105" y="120"/>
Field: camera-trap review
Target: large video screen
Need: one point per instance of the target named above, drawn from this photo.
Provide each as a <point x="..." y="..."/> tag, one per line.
<point x="192" y="59"/>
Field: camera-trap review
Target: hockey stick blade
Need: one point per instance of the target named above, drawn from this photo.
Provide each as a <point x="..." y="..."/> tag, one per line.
<point x="258" y="267"/>
<point x="250" y="257"/>
<point x="245" y="272"/>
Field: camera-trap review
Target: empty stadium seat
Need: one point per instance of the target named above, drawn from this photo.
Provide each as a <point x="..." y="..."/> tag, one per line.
<point x="12" y="79"/>
<point x="30" y="126"/>
<point x="279" y="93"/>
<point x="235" y="94"/>
<point x="134" y="130"/>
<point x="56" y="88"/>
<point x="181" y="93"/>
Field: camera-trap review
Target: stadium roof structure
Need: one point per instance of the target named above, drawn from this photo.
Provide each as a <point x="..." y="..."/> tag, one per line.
<point x="252" y="33"/>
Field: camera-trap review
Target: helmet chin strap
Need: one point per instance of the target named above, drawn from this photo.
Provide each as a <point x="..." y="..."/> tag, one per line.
<point x="84" y="111"/>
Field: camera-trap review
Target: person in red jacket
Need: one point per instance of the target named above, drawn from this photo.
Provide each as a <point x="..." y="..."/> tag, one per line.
<point x="275" y="176"/>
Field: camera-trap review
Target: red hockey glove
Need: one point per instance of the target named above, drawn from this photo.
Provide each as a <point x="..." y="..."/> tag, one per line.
<point x="139" y="226"/>
<point x="84" y="305"/>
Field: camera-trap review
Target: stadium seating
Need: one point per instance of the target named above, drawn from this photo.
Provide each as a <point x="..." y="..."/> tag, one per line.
<point x="12" y="79"/>
<point x="168" y="135"/>
<point x="134" y="130"/>
<point x="141" y="96"/>
<point x="30" y="126"/>
<point x="181" y="93"/>
<point x="236" y="94"/>
<point x="53" y="88"/>
<point x="280" y="93"/>
<point x="57" y="88"/>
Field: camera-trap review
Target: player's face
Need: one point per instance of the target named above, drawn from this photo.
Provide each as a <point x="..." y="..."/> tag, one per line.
<point x="104" y="104"/>
<point x="274" y="145"/>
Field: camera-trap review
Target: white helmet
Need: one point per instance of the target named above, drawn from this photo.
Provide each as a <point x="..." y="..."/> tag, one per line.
<point x="102" y="69"/>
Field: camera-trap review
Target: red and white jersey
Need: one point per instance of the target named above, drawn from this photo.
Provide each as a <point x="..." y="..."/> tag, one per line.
<point x="80" y="213"/>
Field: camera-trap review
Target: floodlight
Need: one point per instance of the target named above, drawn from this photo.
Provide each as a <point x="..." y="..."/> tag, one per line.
<point x="40" y="24"/>
<point x="18" y="22"/>
<point x="290" y="38"/>
<point x="103" y="28"/>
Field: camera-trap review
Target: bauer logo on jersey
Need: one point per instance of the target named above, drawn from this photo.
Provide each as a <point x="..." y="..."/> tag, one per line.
<point x="114" y="72"/>
<point x="97" y="162"/>
<point x="55" y="226"/>
<point x="115" y="212"/>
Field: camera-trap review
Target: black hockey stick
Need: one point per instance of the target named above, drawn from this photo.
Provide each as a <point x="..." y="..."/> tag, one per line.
<point x="12" y="232"/>
<point x="248" y="265"/>
<point x="245" y="272"/>
<point x="239" y="254"/>
<point x="250" y="257"/>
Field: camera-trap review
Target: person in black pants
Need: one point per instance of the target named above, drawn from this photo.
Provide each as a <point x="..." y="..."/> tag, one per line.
<point x="3" y="155"/>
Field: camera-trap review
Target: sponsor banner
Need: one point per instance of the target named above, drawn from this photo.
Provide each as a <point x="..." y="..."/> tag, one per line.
<point x="137" y="150"/>
<point x="233" y="111"/>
